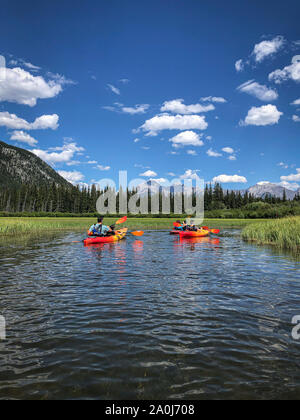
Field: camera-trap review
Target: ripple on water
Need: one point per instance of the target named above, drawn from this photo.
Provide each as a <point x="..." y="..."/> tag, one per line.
<point x="150" y="319"/>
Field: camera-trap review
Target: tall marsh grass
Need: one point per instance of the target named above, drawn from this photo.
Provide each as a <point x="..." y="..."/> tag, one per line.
<point x="10" y="226"/>
<point x="283" y="233"/>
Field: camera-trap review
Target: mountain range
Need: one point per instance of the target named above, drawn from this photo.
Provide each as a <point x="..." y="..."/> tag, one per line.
<point x="260" y="190"/>
<point x="19" y="167"/>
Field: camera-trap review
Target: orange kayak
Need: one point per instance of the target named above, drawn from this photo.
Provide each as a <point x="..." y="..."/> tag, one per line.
<point x="196" y="234"/>
<point x="120" y="234"/>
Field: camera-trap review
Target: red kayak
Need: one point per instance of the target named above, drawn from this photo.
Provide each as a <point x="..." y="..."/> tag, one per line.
<point x="194" y="234"/>
<point x="120" y="234"/>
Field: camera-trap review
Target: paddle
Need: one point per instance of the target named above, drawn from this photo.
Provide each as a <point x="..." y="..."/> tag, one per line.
<point x="214" y="231"/>
<point x="137" y="233"/>
<point x="123" y="220"/>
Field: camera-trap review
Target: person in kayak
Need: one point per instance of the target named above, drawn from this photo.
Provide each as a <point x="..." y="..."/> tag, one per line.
<point x="182" y="227"/>
<point x="192" y="227"/>
<point x="178" y="225"/>
<point x="99" y="229"/>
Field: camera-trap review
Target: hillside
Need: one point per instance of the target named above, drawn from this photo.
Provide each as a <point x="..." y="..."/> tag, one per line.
<point x="19" y="167"/>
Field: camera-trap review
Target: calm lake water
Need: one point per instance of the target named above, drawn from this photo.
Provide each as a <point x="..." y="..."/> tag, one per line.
<point x="150" y="319"/>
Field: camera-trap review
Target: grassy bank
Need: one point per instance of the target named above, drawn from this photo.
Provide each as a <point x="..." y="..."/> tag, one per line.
<point x="283" y="233"/>
<point x="19" y="226"/>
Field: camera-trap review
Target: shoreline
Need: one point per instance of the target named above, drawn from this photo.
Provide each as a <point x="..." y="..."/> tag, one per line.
<point x="10" y="227"/>
<point x="282" y="233"/>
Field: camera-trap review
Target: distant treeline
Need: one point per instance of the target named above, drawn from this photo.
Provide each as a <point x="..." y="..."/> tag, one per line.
<point x="60" y="201"/>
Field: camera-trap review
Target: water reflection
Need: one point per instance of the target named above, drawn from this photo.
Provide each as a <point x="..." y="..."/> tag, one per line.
<point x="195" y="244"/>
<point x="158" y="318"/>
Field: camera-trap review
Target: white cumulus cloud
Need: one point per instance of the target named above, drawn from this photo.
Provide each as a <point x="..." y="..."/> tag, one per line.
<point x="161" y="181"/>
<point x="103" y="168"/>
<point x="212" y="153"/>
<point x="178" y="107"/>
<point x="56" y="155"/>
<point x="228" y="150"/>
<point x="296" y="118"/>
<point x="231" y="152"/>
<point x="268" y="48"/>
<point x="190" y="174"/>
<point x="137" y="109"/>
<point x="132" y="110"/>
<point x="215" y="99"/>
<point x="239" y="65"/>
<point x="192" y="152"/>
<point x="291" y="72"/>
<point x="292" y="177"/>
<point x="296" y="102"/>
<point x="73" y="177"/>
<point x="261" y="92"/>
<point x="174" y="122"/>
<point x="289" y="185"/>
<point x="187" y="138"/>
<point x="232" y="157"/>
<point x="227" y="179"/>
<point x="23" y="137"/>
<point x="59" y="78"/>
<point x="13" y="122"/>
<point x="263" y="116"/>
<point x="23" y="88"/>
<point x="149" y="174"/>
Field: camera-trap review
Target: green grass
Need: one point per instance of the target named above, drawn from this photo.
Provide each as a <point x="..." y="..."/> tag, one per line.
<point x="283" y="233"/>
<point x="18" y="226"/>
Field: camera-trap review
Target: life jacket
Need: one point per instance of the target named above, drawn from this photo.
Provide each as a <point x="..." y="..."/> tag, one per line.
<point x="93" y="231"/>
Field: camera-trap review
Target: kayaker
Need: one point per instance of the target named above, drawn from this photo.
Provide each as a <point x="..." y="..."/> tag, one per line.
<point x="179" y="225"/>
<point x="193" y="227"/>
<point x="184" y="226"/>
<point x="99" y="229"/>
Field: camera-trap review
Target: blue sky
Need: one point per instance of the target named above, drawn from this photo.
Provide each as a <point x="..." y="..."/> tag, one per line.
<point x="158" y="88"/>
